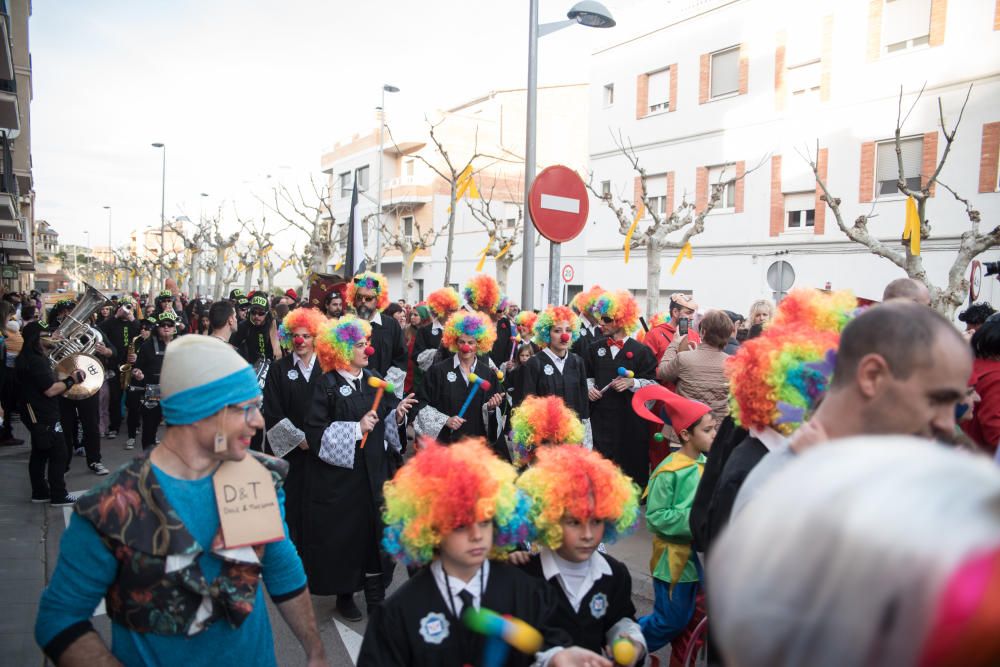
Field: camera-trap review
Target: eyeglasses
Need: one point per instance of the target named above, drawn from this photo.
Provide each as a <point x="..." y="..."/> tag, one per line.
<point x="257" y="313"/>
<point x="249" y="410"/>
<point x="607" y="320"/>
<point x="368" y="298"/>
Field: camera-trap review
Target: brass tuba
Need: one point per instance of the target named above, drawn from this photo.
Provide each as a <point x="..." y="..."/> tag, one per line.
<point x="72" y="343"/>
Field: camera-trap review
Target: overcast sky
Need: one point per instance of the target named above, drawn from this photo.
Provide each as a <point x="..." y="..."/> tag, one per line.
<point x="238" y="90"/>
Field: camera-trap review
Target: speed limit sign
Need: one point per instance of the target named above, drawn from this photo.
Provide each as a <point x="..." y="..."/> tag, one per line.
<point x="568" y="273"/>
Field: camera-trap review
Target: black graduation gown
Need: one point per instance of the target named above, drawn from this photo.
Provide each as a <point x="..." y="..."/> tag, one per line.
<point x="582" y="344"/>
<point x="503" y="345"/>
<point x="341" y="524"/>
<point x="394" y="637"/>
<point x="589" y="626"/>
<point x="743" y="459"/>
<point x="426" y="339"/>
<point x="445" y="390"/>
<point x="541" y="377"/>
<point x="728" y="436"/>
<point x="390" y="348"/>
<point x="619" y="433"/>
<point x="287" y="398"/>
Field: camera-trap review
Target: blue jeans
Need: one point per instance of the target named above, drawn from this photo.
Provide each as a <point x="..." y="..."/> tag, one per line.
<point x="671" y="613"/>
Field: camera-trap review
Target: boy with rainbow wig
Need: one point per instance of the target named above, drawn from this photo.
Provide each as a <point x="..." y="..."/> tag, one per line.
<point x="453" y="508"/>
<point x="578" y="500"/>
<point x="590" y="330"/>
<point x="541" y="421"/>
<point x="483" y="294"/>
<point x="441" y="303"/>
<point x="617" y="366"/>
<point x="464" y="378"/>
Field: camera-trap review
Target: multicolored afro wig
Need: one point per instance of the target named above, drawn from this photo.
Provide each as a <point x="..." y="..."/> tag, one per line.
<point x="583" y="303"/>
<point x="307" y="318"/>
<point x="444" y="487"/>
<point x="465" y="323"/>
<point x="542" y="420"/>
<point x="504" y="303"/>
<point x="552" y="316"/>
<point x="336" y="340"/>
<point x="443" y="302"/>
<point x="580" y="483"/>
<point x="621" y="307"/>
<point x="369" y="280"/>
<point x="527" y="318"/>
<point x="482" y="293"/>
<point x="776" y="379"/>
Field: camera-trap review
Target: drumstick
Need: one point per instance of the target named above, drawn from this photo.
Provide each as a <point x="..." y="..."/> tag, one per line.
<point x="622" y="373"/>
<point x="381" y="386"/>
<point x="477" y="382"/>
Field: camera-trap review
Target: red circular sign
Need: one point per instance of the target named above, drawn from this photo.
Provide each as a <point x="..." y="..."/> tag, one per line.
<point x="558" y="204"/>
<point x="568" y="273"/>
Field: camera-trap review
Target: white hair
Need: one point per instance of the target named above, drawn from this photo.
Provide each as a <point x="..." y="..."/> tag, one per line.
<point x="840" y="559"/>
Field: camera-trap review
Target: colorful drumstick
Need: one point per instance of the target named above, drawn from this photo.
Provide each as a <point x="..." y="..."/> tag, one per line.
<point x="477" y="382"/>
<point x="503" y="632"/>
<point x="381" y="386"/>
<point x="622" y="373"/>
<point x="513" y="350"/>
<point x="623" y="651"/>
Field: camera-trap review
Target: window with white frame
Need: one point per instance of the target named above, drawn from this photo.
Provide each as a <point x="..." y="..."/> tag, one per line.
<point x="511" y="213"/>
<point x="905" y="24"/>
<point x="361" y="174"/>
<point x="606" y="189"/>
<point x="723" y="173"/>
<point x="657" y="203"/>
<point x="658" y="90"/>
<point x="345" y="184"/>
<point x="609" y="94"/>
<point x="408" y="226"/>
<point x="803" y="56"/>
<point x="725" y="72"/>
<point x="887" y="166"/>
<point x="800" y="210"/>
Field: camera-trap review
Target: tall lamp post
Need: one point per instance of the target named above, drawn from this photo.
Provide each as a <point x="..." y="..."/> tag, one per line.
<point x="163" y="202"/>
<point x="593" y="15"/>
<point x="111" y="255"/>
<point x="386" y="88"/>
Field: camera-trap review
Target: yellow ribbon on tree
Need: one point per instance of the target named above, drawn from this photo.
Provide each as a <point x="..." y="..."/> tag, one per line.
<point x="685" y="252"/>
<point x="339" y="264"/>
<point x="505" y="249"/>
<point x="911" y="230"/>
<point x="467" y="184"/>
<point x="483" y="253"/>
<point x="631" y="230"/>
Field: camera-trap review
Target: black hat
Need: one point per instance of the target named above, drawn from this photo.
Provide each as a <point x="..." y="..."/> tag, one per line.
<point x="260" y="301"/>
<point x="234" y="295"/>
<point x="165" y="295"/>
<point x="166" y="317"/>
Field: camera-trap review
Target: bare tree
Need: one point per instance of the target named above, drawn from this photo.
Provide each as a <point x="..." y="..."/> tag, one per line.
<point x="504" y="237"/>
<point x="971" y="244"/>
<point x="409" y="242"/>
<point x="194" y="245"/>
<point x="313" y="216"/>
<point x="685" y="217"/>
<point x="222" y="244"/>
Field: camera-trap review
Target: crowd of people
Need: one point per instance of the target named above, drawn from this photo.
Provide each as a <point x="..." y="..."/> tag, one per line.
<point x="819" y="478"/>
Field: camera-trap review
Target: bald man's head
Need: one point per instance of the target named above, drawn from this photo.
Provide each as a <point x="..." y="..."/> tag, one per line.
<point x="909" y="289"/>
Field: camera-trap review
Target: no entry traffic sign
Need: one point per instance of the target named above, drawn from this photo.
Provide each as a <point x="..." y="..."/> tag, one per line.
<point x="558" y="204"/>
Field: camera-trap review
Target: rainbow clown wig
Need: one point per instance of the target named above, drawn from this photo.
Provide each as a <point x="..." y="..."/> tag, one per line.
<point x="527" y="318"/>
<point x="443" y="302"/>
<point x="369" y="280"/>
<point x="300" y="318"/>
<point x="776" y="378"/>
<point x="336" y="340"/>
<point x="620" y="307"/>
<point x="552" y="316"/>
<point x="580" y="483"/>
<point x="444" y="487"/>
<point x="464" y="323"/>
<point x="482" y="293"/>
<point x="583" y="303"/>
<point x="542" y="420"/>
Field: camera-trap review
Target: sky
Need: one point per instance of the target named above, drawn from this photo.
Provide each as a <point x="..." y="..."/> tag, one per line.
<point x="246" y="93"/>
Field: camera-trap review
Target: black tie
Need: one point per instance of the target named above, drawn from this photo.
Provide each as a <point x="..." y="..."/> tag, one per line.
<point x="357" y="385"/>
<point x="466" y="597"/>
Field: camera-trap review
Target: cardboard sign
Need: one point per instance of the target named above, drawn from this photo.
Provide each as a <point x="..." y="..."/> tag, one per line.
<point x="248" y="504"/>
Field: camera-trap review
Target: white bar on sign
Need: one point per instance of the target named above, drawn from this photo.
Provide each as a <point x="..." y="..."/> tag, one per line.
<point x="564" y="204"/>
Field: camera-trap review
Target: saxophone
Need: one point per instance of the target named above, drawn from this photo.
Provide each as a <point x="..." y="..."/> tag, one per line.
<point x="125" y="370"/>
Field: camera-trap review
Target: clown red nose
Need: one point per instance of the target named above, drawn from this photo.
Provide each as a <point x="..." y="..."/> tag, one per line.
<point x="564" y="337"/>
<point x="298" y="340"/>
<point x="369" y="351"/>
<point x="464" y="348"/>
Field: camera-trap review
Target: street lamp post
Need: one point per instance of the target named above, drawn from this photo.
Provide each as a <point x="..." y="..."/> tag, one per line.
<point x="110" y="253"/>
<point x="163" y="202"/>
<point x="593" y="15"/>
<point x="386" y="88"/>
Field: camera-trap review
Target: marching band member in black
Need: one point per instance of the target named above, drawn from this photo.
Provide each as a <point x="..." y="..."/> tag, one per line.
<point x="256" y="337"/>
<point x="146" y="375"/>
<point x="121" y="331"/>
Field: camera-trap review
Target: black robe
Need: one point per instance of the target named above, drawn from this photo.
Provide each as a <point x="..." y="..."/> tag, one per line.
<point x="727" y="437"/>
<point x="582" y="344"/>
<point x="426" y="339"/>
<point x="341" y="526"/>
<point x="444" y="390"/>
<point x="619" y="433"/>
<point x="287" y="398"/>
<point x="743" y="459"/>
<point x="390" y="350"/>
<point x="590" y="625"/>
<point x="541" y="377"/>
<point x="503" y="345"/>
<point x="394" y="638"/>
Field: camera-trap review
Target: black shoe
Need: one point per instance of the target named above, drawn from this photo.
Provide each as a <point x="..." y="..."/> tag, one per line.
<point x="67" y="501"/>
<point x="10" y="441"/>
<point x="374" y="592"/>
<point x="111" y="435"/>
<point x="347" y="608"/>
<point x="41" y="499"/>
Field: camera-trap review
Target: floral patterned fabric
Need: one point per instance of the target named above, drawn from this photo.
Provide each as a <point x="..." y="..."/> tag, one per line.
<point x="160" y="586"/>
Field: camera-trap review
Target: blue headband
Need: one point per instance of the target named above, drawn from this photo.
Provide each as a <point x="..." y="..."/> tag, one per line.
<point x="196" y="403"/>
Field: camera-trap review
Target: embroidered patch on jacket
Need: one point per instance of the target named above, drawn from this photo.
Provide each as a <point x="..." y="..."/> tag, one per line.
<point x="434" y="628"/>
<point x="451" y="376"/>
<point x="345" y="390"/>
<point x="293" y="375"/>
<point x="601" y="352"/>
<point x="599" y="605"/>
<point x="549" y="370"/>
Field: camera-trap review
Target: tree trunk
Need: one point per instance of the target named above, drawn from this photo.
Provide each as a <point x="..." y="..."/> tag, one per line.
<point x="248" y="279"/>
<point x="653" y="253"/>
<point x="220" y="272"/>
<point x="193" y="274"/>
<point x="451" y="234"/>
<point x="503" y="268"/>
<point x="408" y="283"/>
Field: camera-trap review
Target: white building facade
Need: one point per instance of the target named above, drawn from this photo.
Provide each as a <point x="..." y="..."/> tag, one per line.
<point x="750" y="87"/>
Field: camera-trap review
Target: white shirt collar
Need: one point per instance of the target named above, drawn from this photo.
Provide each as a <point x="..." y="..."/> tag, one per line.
<point x="436" y="326"/>
<point x="475" y="586"/>
<point x="555" y="359"/>
<point x="306" y="370"/>
<point x="598" y="568"/>
<point x="351" y="378"/>
<point x="458" y="364"/>
<point x="769" y="438"/>
<point x="615" y="349"/>
<point x="376" y="318"/>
